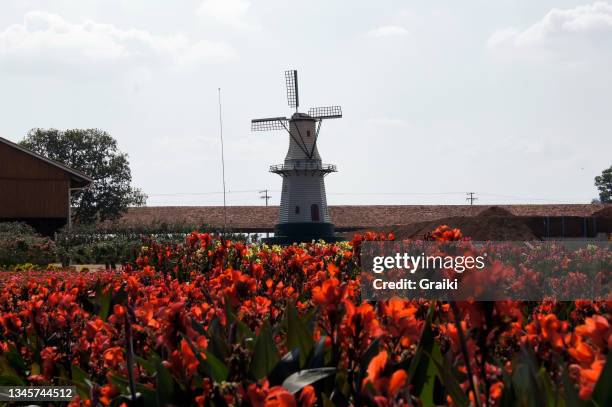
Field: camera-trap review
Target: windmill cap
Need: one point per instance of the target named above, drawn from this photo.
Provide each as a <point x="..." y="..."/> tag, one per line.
<point x="301" y="116"/>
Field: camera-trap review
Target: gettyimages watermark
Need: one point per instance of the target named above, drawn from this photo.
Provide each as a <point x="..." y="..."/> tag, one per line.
<point x="487" y="271"/>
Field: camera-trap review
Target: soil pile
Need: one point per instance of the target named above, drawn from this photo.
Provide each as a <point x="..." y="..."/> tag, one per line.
<point x="494" y="223"/>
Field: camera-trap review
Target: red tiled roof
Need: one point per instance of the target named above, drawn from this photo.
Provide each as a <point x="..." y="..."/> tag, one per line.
<point x="343" y="216"/>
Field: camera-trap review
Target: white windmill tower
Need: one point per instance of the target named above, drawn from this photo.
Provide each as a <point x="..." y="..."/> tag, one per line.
<point x="303" y="208"/>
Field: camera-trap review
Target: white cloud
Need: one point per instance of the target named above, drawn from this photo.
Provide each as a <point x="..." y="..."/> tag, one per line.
<point x="566" y="33"/>
<point x="232" y="13"/>
<point x="46" y="40"/>
<point x="387" y="31"/>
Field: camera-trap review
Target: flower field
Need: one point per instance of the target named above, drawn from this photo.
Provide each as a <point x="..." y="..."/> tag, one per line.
<point x="212" y="322"/>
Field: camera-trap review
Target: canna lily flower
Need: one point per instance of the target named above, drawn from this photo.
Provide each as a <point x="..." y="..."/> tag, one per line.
<point x="329" y="295"/>
<point x="279" y="397"/>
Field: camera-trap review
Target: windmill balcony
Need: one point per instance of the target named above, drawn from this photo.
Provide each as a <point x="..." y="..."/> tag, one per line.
<point x="307" y="166"/>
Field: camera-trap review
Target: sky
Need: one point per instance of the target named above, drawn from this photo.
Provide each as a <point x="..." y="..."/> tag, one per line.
<point x="507" y="99"/>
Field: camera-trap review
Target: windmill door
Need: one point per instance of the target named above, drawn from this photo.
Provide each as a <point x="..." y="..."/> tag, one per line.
<point x="314" y="212"/>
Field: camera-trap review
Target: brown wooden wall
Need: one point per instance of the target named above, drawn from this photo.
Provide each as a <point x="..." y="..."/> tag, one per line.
<point x="30" y="187"/>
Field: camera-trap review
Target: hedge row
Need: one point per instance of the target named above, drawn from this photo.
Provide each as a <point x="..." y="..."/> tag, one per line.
<point x="85" y="244"/>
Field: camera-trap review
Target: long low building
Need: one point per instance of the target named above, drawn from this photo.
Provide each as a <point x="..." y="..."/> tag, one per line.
<point x="558" y="220"/>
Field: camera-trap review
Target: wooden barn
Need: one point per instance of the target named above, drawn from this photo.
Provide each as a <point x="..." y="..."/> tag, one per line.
<point x="35" y="189"/>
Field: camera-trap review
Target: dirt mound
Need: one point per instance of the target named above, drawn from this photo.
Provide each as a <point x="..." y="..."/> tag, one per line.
<point x="494" y="211"/>
<point x="604" y="213"/>
<point x="479" y="228"/>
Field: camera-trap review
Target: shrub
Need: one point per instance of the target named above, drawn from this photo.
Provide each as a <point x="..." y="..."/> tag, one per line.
<point x="19" y="244"/>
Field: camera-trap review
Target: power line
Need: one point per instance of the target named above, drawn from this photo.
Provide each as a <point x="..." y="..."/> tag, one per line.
<point x="201" y="193"/>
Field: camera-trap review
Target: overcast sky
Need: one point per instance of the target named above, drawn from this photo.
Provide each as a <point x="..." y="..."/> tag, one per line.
<point x="509" y="99"/>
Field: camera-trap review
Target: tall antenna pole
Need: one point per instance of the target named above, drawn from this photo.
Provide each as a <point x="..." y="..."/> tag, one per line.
<point x="222" y="164"/>
<point x="471" y="197"/>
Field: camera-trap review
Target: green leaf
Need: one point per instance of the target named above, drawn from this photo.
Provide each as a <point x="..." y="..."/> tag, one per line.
<point x="326" y="401"/>
<point x="602" y="394"/>
<point x="289" y="364"/>
<point x="165" y="386"/>
<point x="450" y="382"/>
<point x="216" y="368"/>
<point x="545" y="384"/>
<point x="428" y="380"/>
<point x="527" y="388"/>
<point x="8" y="375"/>
<point x="298" y="335"/>
<point x="367" y="356"/>
<point x="317" y="356"/>
<point x="419" y="365"/>
<point x="569" y="392"/>
<point x="218" y="342"/>
<point x="265" y="356"/>
<point x="303" y="378"/>
<point x="80" y="380"/>
<point x="103" y="299"/>
<point x="147" y="365"/>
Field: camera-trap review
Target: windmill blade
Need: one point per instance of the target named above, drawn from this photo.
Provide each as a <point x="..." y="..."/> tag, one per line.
<point x="292" y="88"/>
<point x="325" y="112"/>
<point x="271" y="123"/>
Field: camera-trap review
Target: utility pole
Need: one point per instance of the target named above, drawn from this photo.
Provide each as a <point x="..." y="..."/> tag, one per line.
<point x="265" y="196"/>
<point x="471" y="197"/>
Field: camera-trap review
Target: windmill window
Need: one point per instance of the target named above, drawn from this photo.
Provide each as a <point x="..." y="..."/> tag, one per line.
<point x="314" y="212"/>
<point x="307" y="133"/>
<point x="297" y="210"/>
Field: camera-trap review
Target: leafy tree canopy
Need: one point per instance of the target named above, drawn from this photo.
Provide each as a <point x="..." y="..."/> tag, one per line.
<point x="95" y="153"/>
<point x="603" y="183"/>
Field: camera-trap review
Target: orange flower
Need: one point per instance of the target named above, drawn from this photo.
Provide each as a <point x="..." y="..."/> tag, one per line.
<point x="597" y="329"/>
<point x="329" y="294"/>
<point x="588" y="378"/>
<point x="582" y="352"/>
<point x="397" y="382"/>
<point x="375" y="368"/>
<point x="279" y="397"/>
<point x="496" y="390"/>
<point x="308" y="398"/>
<point x="113" y="357"/>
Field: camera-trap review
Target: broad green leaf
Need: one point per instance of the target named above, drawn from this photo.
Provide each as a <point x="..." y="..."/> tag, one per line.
<point x="298" y="335"/>
<point x="165" y="386"/>
<point x="316" y="358"/>
<point x="367" y="356"/>
<point x="80" y="380"/>
<point x="602" y="394"/>
<point x="569" y="392"/>
<point x="428" y="386"/>
<point x="8" y="375"/>
<point x="450" y="382"/>
<point x="527" y="388"/>
<point x="103" y="299"/>
<point x="216" y="368"/>
<point x="289" y="364"/>
<point x="326" y="401"/>
<point x="419" y="365"/>
<point x="265" y="356"/>
<point x="303" y="378"/>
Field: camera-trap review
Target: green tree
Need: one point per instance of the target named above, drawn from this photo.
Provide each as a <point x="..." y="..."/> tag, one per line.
<point x="93" y="152"/>
<point x="603" y="183"/>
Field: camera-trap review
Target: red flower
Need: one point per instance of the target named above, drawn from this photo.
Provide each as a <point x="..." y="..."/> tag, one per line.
<point x="279" y="397"/>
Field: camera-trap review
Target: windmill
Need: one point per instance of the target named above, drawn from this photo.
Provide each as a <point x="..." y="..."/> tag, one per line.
<point x="303" y="209"/>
